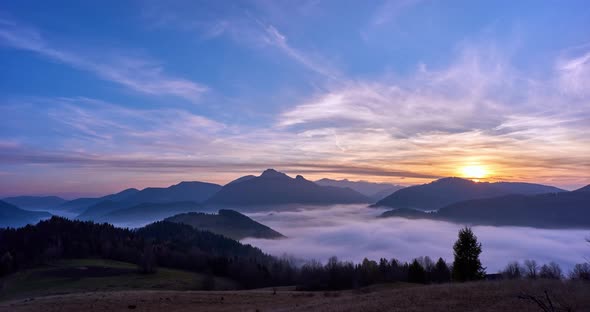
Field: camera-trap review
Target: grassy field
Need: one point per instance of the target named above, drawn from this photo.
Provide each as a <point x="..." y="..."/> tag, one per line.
<point x="95" y="275"/>
<point x="476" y="296"/>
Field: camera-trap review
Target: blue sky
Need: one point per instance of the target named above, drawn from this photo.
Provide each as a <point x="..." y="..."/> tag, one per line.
<point x="106" y="95"/>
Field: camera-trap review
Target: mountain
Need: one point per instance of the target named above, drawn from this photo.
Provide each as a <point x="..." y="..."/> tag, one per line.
<point x="183" y="191"/>
<point x="35" y="202"/>
<point x="276" y="188"/>
<point x="446" y="191"/>
<point x="244" y="178"/>
<point x="375" y="191"/>
<point x="165" y="244"/>
<point x="12" y="216"/>
<point x="194" y="192"/>
<point x="79" y="205"/>
<point x="584" y="189"/>
<point x="228" y="223"/>
<point x="551" y="210"/>
<point x="145" y="213"/>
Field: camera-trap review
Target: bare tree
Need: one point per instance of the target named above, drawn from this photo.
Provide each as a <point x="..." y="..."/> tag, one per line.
<point x="551" y="271"/>
<point x="513" y="270"/>
<point x="531" y="268"/>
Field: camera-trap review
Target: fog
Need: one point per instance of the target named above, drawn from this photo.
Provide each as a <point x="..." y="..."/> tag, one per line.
<point x="352" y="232"/>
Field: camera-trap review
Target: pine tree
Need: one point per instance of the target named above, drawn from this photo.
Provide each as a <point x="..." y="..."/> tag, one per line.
<point x="441" y="272"/>
<point x="416" y="273"/>
<point x="467" y="266"/>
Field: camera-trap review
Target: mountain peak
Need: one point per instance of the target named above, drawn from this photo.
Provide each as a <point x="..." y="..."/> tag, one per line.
<point x="452" y="180"/>
<point x="271" y="173"/>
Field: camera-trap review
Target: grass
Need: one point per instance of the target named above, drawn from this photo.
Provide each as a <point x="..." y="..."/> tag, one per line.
<point x="91" y="275"/>
<point x="480" y="296"/>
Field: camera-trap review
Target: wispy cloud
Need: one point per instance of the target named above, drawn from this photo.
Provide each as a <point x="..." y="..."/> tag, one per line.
<point x="134" y="72"/>
<point x="574" y="75"/>
<point x="477" y="110"/>
<point x="244" y="26"/>
<point x="278" y="40"/>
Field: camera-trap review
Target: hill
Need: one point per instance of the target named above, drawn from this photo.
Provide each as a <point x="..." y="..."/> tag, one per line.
<point x="446" y="191"/>
<point x="35" y="202"/>
<point x="552" y="210"/>
<point x="12" y="216"/>
<point x="165" y="244"/>
<point x="276" y="188"/>
<point x="228" y="223"/>
<point x="142" y="214"/>
<point x="375" y="191"/>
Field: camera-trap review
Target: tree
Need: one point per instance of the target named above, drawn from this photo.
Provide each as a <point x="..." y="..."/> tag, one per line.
<point x="440" y="272"/>
<point x="581" y="271"/>
<point x="416" y="273"/>
<point x="532" y="269"/>
<point x="551" y="271"/>
<point x="147" y="260"/>
<point x="467" y="266"/>
<point x="6" y="264"/>
<point x="513" y="270"/>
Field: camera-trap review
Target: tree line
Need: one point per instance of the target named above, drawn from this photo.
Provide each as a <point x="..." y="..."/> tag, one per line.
<point x="180" y="246"/>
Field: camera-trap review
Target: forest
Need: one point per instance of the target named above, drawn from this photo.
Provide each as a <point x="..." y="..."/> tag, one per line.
<point x="179" y="246"/>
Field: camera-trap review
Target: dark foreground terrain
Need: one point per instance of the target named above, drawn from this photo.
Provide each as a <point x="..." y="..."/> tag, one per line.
<point x="476" y="296"/>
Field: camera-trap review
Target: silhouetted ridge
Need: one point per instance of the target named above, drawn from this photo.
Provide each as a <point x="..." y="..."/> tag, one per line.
<point x="446" y="191"/>
<point x="275" y="188"/>
<point x="551" y="210"/>
<point x="35" y="202"/>
<point x="194" y="192"/>
<point x="375" y="191"/>
<point x="227" y="222"/>
<point x="584" y="189"/>
<point x="12" y="216"/>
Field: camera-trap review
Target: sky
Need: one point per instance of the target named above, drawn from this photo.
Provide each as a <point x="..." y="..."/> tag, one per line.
<point x="96" y="97"/>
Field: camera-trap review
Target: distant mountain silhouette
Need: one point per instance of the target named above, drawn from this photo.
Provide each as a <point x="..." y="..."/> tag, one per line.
<point x="276" y="188"/>
<point x="552" y="210"/>
<point x="228" y="223"/>
<point x="182" y="192"/>
<point x="446" y="191"/>
<point x="35" y="202"/>
<point x="146" y="213"/>
<point x="13" y="216"/>
<point x="584" y="189"/>
<point x="79" y="205"/>
<point x="241" y="179"/>
<point x="375" y="191"/>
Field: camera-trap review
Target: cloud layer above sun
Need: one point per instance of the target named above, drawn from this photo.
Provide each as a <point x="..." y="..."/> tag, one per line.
<point x="215" y="91"/>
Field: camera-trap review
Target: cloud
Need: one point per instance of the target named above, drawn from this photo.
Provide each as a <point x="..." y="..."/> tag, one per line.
<point x="132" y="71"/>
<point x="479" y="109"/>
<point x="247" y="25"/>
<point x="574" y="75"/>
<point x="353" y="232"/>
<point x="275" y="38"/>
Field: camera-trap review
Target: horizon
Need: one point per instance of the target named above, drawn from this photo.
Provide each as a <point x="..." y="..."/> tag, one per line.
<point x="97" y="98"/>
<point x="72" y="195"/>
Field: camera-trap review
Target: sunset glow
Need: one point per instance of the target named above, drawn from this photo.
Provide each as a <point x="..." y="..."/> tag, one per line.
<point x="156" y="101"/>
<point x="474" y="172"/>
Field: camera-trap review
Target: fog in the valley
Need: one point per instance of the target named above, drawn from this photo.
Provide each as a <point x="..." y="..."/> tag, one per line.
<point x="353" y="232"/>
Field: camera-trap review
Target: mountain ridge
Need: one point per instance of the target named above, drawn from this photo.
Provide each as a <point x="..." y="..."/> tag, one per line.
<point x="445" y="191"/>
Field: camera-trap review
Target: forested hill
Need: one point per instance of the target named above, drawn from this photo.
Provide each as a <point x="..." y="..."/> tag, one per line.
<point x="166" y="244"/>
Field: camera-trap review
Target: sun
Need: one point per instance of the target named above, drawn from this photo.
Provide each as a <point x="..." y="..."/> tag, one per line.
<point x="474" y="172"/>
